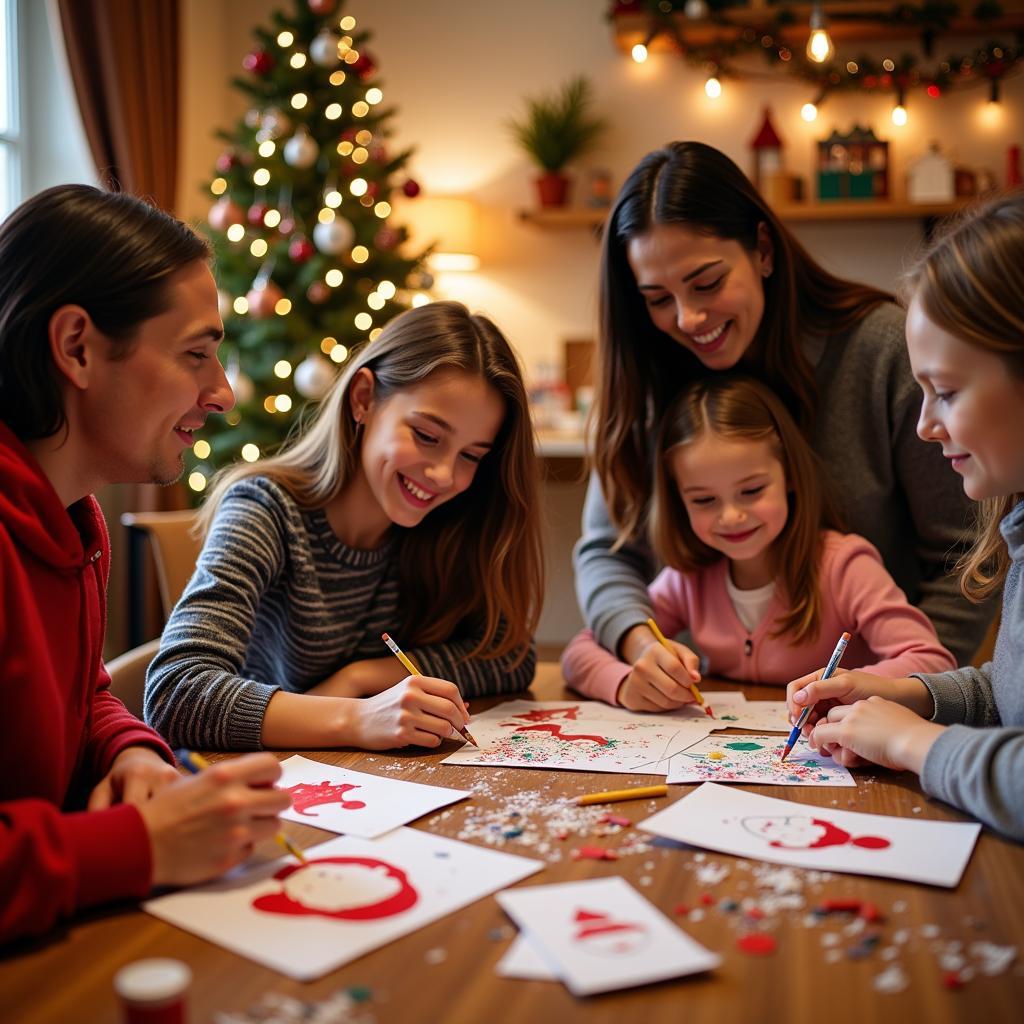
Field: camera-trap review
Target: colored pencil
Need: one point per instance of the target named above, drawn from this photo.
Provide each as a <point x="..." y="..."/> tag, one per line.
<point x="833" y="664"/>
<point x="697" y="695"/>
<point x="635" y="793"/>
<point x="196" y="763"/>
<point x="414" y="671"/>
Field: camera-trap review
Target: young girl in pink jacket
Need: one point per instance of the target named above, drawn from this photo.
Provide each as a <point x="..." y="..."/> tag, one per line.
<point x="757" y="571"/>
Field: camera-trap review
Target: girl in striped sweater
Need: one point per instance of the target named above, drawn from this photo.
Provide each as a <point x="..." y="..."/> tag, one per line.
<point x="409" y="506"/>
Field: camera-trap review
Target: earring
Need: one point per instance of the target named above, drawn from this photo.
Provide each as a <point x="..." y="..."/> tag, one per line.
<point x="766" y="270"/>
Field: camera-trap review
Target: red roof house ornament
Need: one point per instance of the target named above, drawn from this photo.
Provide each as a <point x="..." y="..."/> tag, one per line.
<point x="767" y="149"/>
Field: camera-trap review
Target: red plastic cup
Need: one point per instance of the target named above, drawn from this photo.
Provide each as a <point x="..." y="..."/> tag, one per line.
<point x="153" y="991"/>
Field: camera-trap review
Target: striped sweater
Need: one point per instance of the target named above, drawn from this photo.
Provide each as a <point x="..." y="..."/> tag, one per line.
<point x="277" y="601"/>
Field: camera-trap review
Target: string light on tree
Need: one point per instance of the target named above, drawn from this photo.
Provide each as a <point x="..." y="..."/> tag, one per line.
<point x="712" y="87"/>
<point x="819" y="45"/>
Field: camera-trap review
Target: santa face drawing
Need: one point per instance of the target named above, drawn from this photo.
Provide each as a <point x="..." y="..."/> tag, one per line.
<point x="344" y="888"/>
<point x="802" y="832"/>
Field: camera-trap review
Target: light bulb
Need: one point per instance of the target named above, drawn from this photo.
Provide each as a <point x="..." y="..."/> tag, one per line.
<point x="819" y="45"/>
<point x="639" y="53"/>
<point x="809" y="112"/>
<point x="899" y="115"/>
<point x="713" y="88"/>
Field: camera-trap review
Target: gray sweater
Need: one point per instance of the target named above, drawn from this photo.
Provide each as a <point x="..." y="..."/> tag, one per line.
<point x="278" y="602"/>
<point x="895" y="490"/>
<point x="977" y="764"/>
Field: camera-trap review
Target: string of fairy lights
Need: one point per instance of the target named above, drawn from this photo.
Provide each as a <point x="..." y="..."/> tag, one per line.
<point x="274" y="183"/>
<point x="817" y="63"/>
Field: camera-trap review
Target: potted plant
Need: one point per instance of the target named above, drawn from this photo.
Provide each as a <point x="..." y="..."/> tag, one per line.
<point x="557" y="129"/>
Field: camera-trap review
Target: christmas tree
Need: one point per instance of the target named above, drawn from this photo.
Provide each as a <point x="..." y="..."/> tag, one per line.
<point x="308" y="264"/>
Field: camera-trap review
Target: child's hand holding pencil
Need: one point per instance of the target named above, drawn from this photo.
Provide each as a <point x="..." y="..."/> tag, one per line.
<point x="663" y="678"/>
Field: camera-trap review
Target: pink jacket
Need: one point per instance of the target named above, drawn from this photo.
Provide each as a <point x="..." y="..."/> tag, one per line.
<point x="890" y="636"/>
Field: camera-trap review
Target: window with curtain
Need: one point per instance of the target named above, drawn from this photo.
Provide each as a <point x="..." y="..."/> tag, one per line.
<point x="10" y="151"/>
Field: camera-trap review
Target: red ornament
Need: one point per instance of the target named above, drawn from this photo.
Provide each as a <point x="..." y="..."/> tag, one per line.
<point x="318" y="293"/>
<point x="411" y="188"/>
<point x="322" y="7"/>
<point x="364" y="66"/>
<point x="934" y="91"/>
<point x="259" y="62"/>
<point x="256" y="213"/>
<point x="300" y="250"/>
<point x="386" y="239"/>
<point x="372" y="189"/>
<point x="226" y="161"/>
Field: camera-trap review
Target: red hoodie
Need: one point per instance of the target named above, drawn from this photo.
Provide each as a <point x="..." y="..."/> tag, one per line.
<point x="60" y="727"/>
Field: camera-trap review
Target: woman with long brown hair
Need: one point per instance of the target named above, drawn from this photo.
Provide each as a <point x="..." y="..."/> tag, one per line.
<point x="700" y="276"/>
<point x="409" y="506"/>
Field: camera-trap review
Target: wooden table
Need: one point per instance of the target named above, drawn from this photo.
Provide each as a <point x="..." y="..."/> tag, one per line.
<point x="445" y="972"/>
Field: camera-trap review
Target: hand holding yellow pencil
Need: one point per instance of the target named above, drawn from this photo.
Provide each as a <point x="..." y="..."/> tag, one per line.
<point x="697" y="695"/>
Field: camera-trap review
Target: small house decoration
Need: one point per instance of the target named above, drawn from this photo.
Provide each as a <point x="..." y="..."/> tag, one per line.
<point x="931" y="178"/>
<point x="767" y="149"/>
<point x="853" y="166"/>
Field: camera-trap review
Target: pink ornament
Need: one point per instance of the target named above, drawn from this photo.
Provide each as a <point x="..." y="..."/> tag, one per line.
<point x="287" y="225"/>
<point x="300" y="250"/>
<point x="224" y="213"/>
<point x="256" y="213"/>
<point x="259" y="62"/>
<point x="411" y="188"/>
<point x="225" y="162"/>
<point x="263" y="300"/>
<point x="322" y="7"/>
<point x="318" y="293"/>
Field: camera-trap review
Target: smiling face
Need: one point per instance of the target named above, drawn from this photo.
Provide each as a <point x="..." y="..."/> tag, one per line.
<point x="973" y="406"/>
<point x="138" y="413"/>
<point x="705" y="292"/>
<point x="734" y="492"/>
<point x="421" y="447"/>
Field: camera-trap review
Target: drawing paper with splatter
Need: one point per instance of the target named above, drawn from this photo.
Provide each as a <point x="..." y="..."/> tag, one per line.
<point x="757" y="759"/>
<point x="356" y="803"/>
<point x="560" y="737"/>
<point x="735" y="821"/>
<point x="601" y="934"/>
<point x="352" y="895"/>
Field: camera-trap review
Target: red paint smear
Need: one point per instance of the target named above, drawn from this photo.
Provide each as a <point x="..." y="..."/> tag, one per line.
<point x="756" y="944"/>
<point x="754" y="913"/>
<point x="307" y="794"/>
<point x="556" y="731"/>
<point x="680" y="908"/>
<point x="550" y="713"/>
<point x="600" y="924"/>
<point x="614" y="819"/>
<point x="594" y="853"/>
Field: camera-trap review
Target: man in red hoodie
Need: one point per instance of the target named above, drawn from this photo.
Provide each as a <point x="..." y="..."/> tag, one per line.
<point x="109" y="332"/>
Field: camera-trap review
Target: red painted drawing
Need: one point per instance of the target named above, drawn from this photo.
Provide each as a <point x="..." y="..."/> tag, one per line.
<point x="308" y="794"/>
<point x="556" y="731"/>
<point x="547" y="714"/>
<point x="599" y="933"/>
<point x="797" y="832"/>
<point x="343" y="888"/>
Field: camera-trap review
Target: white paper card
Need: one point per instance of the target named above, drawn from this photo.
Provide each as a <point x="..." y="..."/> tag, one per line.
<point x="603" y="935"/>
<point x="734" y="821"/>
<point x="592" y="745"/>
<point x="356" y="803"/>
<point x="757" y="759"/>
<point x="523" y="960"/>
<point x="351" y="896"/>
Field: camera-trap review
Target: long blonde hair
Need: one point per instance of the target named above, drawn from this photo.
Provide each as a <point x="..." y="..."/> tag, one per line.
<point x="970" y="282"/>
<point x="476" y="562"/>
<point x="741" y="408"/>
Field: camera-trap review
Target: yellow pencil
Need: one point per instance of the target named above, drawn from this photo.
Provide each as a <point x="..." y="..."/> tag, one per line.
<point x="414" y="671"/>
<point x="697" y="695"/>
<point x="635" y="793"/>
<point x="196" y="763"/>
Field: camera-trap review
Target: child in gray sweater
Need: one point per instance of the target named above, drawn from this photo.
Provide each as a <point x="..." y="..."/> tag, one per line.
<point x="961" y="731"/>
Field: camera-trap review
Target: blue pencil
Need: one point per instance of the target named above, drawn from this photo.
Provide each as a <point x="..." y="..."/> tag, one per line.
<point x="833" y="664"/>
<point x="195" y="763"/>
